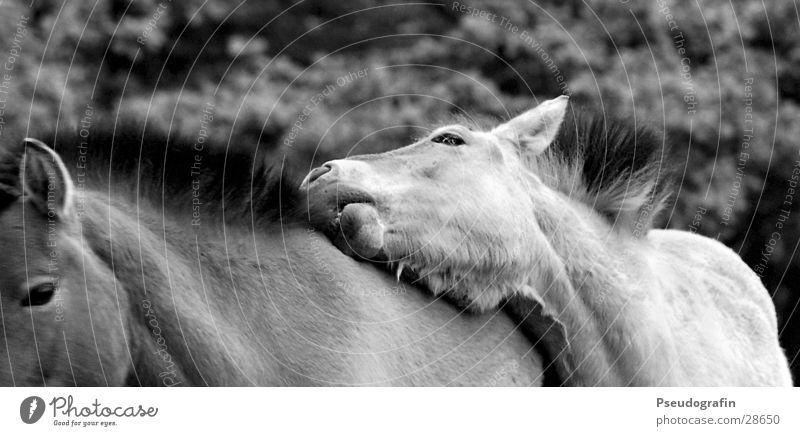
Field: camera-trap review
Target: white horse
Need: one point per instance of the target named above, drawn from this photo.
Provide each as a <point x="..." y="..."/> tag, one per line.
<point x="502" y="216"/>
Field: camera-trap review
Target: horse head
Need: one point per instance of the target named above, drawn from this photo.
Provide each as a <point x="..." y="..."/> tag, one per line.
<point x="455" y="208"/>
<point x="62" y="317"/>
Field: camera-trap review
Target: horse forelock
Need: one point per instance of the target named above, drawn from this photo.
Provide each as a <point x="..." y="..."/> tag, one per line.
<point x="620" y="170"/>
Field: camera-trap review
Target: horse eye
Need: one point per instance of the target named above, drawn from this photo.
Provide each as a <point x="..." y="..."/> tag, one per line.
<point x="39" y="295"/>
<point x="448" y="139"/>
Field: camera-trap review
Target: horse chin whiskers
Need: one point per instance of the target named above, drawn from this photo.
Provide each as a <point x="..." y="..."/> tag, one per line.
<point x="404" y="270"/>
<point x="446" y="279"/>
<point x="400" y="268"/>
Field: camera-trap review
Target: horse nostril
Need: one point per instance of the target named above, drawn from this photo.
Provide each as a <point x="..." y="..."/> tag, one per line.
<point x="319" y="172"/>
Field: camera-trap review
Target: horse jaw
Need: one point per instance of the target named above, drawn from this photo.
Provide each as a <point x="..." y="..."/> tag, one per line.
<point x="360" y="231"/>
<point x="477" y="284"/>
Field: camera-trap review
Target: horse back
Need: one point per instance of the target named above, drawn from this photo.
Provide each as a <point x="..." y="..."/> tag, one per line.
<point x="353" y="323"/>
<point x="706" y="287"/>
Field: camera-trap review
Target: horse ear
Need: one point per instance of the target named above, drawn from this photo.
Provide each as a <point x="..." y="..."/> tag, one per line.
<point x="535" y="129"/>
<point x="45" y="180"/>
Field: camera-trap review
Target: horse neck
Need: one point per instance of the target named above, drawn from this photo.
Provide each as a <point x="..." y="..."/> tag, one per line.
<point x="577" y="280"/>
<point x="138" y="257"/>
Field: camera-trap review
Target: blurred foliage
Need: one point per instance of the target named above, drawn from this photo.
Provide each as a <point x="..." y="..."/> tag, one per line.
<point x="262" y="63"/>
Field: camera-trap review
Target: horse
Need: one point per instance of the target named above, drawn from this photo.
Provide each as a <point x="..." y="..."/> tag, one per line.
<point x="539" y="212"/>
<point x="135" y="258"/>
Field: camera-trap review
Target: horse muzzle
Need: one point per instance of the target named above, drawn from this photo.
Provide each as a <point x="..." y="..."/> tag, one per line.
<point x="343" y="210"/>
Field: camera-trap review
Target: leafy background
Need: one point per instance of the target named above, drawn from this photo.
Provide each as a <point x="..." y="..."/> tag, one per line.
<point x="261" y="64"/>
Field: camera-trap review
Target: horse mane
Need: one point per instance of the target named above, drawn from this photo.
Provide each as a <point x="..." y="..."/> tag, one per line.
<point x="247" y="181"/>
<point x="623" y="169"/>
<point x="619" y="169"/>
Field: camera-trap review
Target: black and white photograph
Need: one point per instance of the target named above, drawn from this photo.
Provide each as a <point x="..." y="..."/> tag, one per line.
<point x="595" y="197"/>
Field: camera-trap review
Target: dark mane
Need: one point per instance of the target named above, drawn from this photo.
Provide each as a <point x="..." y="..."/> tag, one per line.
<point x="241" y="179"/>
<point x="624" y="170"/>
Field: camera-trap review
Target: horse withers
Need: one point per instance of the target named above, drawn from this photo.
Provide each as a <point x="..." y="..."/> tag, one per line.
<point x="533" y="214"/>
<point x="107" y="279"/>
